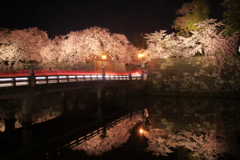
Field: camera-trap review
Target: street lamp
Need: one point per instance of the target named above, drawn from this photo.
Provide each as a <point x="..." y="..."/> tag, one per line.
<point x="104" y="57"/>
<point x="141" y="57"/>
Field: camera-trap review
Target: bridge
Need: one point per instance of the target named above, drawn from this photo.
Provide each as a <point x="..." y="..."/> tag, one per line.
<point x="18" y="85"/>
<point x="22" y="88"/>
<point x="57" y="77"/>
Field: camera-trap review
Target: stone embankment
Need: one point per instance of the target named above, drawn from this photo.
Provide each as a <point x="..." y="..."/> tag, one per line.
<point x="193" y="76"/>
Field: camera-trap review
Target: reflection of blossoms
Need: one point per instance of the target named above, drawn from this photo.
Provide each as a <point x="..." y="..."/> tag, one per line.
<point x="2" y="125"/>
<point x="49" y="108"/>
<point x="116" y="136"/>
<point x="46" y="114"/>
<point x="157" y="142"/>
<point x="207" y="127"/>
<point x="208" y="145"/>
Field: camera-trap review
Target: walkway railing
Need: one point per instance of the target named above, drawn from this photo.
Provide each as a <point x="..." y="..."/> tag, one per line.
<point x="51" y="79"/>
<point x="101" y="130"/>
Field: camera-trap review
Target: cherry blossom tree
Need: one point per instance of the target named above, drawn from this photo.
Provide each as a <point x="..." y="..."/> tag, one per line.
<point x="158" y="45"/>
<point x="18" y="47"/>
<point x="88" y="44"/>
<point x="208" y="41"/>
<point x="21" y="46"/>
<point x="50" y="54"/>
<point x="163" y="45"/>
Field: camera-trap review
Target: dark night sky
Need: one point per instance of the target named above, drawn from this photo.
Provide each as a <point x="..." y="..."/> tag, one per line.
<point x="119" y="16"/>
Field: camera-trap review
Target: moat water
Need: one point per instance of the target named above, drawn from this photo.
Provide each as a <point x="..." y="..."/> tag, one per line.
<point x="175" y="128"/>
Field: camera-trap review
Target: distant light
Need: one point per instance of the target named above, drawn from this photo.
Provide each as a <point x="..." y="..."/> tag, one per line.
<point x="104" y="57"/>
<point x="239" y="49"/>
<point x="141" y="131"/>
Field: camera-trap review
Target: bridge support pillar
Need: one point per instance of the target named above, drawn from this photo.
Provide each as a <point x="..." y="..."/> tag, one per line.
<point x="87" y="102"/>
<point x="100" y="111"/>
<point x="27" y="121"/>
<point x="63" y="103"/>
<point x="100" y="104"/>
<point x="75" y="103"/>
<point x="10" y="120"/>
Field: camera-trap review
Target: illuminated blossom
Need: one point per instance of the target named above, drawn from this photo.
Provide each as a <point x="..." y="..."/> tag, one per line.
<point x="208" y="41"/>
<point x="208" y="145"/>
<point x="89" y="44"/>
<point x="21" y="46"/>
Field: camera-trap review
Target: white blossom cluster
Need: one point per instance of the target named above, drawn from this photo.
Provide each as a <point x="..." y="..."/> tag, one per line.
<point x="22" y="46"/>
<point x="208" y="41"/>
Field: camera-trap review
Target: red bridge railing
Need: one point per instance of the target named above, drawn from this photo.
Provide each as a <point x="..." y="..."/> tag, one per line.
<point x="23" y="79"/>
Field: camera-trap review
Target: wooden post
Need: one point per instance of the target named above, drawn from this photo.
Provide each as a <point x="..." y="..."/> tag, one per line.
<point x="104" y="134"/>
<point x="103" y="71"/>
<point x="130" y="75"/>
<point x="32" y="82"/>
<point x="131" y="114"/>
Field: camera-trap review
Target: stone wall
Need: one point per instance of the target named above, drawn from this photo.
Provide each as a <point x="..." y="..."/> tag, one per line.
<point x="86" y="66"/>
<point x="110" y="66"/>
<point x="192" y="75"/>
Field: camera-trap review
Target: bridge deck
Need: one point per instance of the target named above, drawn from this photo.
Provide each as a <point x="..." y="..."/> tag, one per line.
<point x="29" y="86"/>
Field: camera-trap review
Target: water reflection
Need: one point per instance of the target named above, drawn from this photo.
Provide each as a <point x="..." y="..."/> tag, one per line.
<point x="209" y="128"/>
<point x="44" y="108"/>
<point x="199" y="128"/>
<point x="115" y="137"/>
